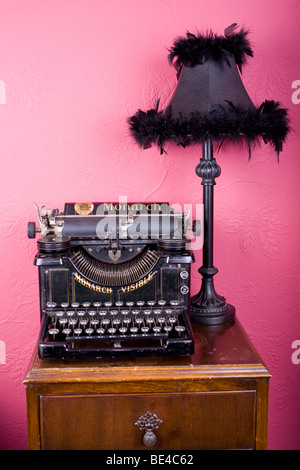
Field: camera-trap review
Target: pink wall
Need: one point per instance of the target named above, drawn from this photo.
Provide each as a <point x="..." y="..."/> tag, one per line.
<point x="71" y="72"/>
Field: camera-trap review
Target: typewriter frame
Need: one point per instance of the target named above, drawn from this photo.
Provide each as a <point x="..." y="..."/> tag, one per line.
<point x="163" y="276"/>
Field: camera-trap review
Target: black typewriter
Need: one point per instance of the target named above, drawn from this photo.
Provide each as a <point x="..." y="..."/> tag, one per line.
<point x="114" y="280"/>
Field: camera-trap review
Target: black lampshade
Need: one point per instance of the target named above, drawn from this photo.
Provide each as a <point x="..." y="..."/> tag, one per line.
<point x="210" y="100"/>
<point x="203" y="88"/>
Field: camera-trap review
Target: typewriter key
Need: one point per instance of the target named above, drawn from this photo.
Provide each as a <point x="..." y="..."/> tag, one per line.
<point x="145" y="329"/>
<point x="83" y="322"/>
<point x="100" y="331"/>
<point x="157" y="311"/>
<point x="53" y="332"/>
<point x="108" y="304"/>
<point x="135" y="312"/>
<point x="174" y="303"/>
<point x="63" y="321"/>
<point x="64" y="305"/>
<point x="161" y="320"/>
<point x="123" y="330"/>
<point x="140" y="303"/>
<point x="59" y="314"/>
<point x="77" y="331"/>
<point x="81" y="313"/>
<point x="86" y="305"/>
<point x="168" y="328"/>
<point x="97" y="304"/>
<point x="111" y="331"/>
<point x="156" y="329"/>
<point x="133" y="330"/>
<point x="161" y="303"/>
<point x="119" y="304"/>
<point x="67" y="331"/>
<point x="71" y="313"/>
<point x="92" y="313"/>
<point x="180" y="329"/>
<point x="147" y="312"/>
<point x="114" y="312"/>
<point x="89" y="331"/>
<point x="51" y="304"/>
<point x="124" y="312"/>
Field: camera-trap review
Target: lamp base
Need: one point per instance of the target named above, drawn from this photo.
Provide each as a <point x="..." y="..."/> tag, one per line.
<point x="208" y="307"/>
<point x="212" y="315"/>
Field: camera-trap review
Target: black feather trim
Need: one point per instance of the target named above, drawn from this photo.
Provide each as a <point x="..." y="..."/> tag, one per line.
<point x="149" y="127"/>
<point x="194" y="50"/>
<point x="269" y="121"/>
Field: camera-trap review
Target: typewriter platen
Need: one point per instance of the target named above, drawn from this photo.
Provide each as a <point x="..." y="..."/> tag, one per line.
<point x="114" y="280"/>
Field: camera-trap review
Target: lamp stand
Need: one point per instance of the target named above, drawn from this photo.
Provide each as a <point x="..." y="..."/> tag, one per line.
<point x="207" y="307"/>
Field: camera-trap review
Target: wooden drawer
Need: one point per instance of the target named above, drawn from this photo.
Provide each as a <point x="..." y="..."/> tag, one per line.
<point x="193" y="420"/>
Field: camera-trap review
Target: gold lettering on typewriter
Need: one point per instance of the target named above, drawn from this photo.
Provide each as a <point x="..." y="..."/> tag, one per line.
<point x="108" y="290"/>
<point x="108" y="206"/>
<point x="133" y="207"/>
<point x="137" y="284"/>
<point x="92" y="286"/>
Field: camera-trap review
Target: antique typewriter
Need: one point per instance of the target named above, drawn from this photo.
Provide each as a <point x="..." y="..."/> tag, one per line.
<point x="114" y="280"/>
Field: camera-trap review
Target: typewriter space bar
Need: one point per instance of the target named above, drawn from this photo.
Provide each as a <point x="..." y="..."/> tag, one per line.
<point x="107" y="346"/>
<point x="117" y="339"/>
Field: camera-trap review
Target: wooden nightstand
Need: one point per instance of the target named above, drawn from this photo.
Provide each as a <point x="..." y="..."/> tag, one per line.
<point x="215" y="399"/>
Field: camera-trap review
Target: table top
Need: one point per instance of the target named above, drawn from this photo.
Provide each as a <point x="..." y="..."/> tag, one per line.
<point x="224" y="349"/>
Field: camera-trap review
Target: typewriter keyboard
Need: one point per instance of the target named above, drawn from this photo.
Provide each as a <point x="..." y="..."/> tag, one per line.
<point x="115" y="321"/>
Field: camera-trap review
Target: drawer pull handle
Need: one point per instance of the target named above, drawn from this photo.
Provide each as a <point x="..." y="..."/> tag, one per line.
<point x="148" y="423"/>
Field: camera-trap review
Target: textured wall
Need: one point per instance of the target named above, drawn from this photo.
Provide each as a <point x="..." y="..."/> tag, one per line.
<point x="71" y="72"/>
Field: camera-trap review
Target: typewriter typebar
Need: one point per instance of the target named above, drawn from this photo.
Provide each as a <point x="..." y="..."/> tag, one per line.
<point x="114" y="280"/>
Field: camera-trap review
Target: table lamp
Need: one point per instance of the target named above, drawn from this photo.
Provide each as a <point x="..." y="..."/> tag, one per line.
<point x="210" y="104"/>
